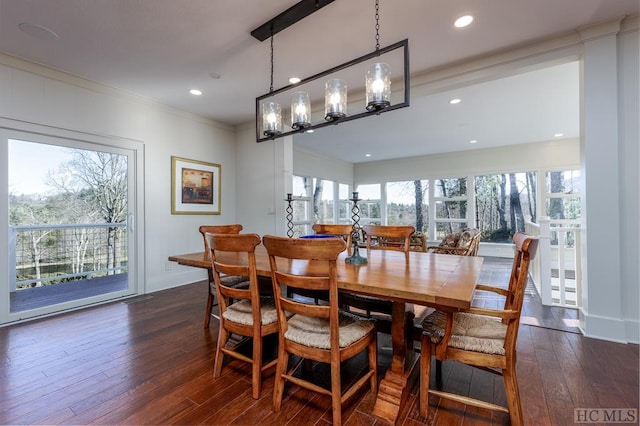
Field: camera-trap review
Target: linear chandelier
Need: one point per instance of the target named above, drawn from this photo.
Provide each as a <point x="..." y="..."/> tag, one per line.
<point x="377" y="88"/>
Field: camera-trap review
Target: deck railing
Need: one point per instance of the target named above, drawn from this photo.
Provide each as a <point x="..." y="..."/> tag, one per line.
<point x="47" y="254"/>
<point x="556" y="270"/>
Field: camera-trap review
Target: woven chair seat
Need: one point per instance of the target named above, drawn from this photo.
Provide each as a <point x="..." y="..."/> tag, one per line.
<point x="314" y="332"/>
<point x="470" y="332"/>
<point x="240" y="312"/>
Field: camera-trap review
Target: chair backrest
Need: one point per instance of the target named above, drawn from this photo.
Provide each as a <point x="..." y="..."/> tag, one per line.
<point x="244" y="264"/>
<point x="344" y="231"/>
<point x="218" y="229"/>
<point x="389" y="237"/>
<point x="317" y="270"/>
<point x="525" y="250"/>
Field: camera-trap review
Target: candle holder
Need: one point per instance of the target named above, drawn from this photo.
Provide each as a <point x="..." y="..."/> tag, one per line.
<point x="289" y="200"/>
<point x="355" y="258"/>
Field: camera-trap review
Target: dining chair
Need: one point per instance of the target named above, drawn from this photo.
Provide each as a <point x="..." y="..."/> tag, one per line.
<point x="389" y="237"/>
<point x="231" y="280"/>
<point x="463" y="243"/>
<point x="380" y="237"/>
<point x="242" y="310"/>
<point x="481" y="337"/>
<point x="320" y="333"/>
<point x="344" y="231"/>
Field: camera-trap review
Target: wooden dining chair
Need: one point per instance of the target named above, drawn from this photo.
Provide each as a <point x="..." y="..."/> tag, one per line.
<point x="231" y="280"/>
<point x="389" y="237"/>
<point x="481" y="337"/>
<point x="319" y="333"/>
<point x="344" y="231"/>
<point x="242" y="311"/>
<point x="380" y="237"/>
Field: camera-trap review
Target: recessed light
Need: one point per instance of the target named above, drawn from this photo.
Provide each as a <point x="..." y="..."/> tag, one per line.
<point x="38" y="31"/>
<point x="473" y="141"/>
<point x="309" y="131"/>
<point x="455" y="101"/>
<point x="558" y="135"/>
<point x="294" y="80"/>
<point x="463" y="21"/>
<point x="195" y="92"/>
<point x="367" y="155"/>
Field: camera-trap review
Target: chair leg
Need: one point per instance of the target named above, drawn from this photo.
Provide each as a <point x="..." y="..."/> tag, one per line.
<point x="256" y="367"/>
<point x="281" y="368"/>
<point x="336" y="400"/>
<point x="373" y="361"/>
<point x="223" y="336"/>
<point x="512" y="394"/>
<point x="425" y="373"/>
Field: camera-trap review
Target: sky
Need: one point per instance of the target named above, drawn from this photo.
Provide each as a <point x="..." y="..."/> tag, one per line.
<point x="29" y="164"/>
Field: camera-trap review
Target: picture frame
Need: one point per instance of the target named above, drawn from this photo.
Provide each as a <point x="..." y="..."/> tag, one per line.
<point x="195" y="186"/>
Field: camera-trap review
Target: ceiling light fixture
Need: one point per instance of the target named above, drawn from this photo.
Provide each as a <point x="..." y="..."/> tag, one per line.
<point x="455" y="101"/>
<point x="294" y="80"/>
<point x="38" y="31"/>
<point x="463" y="21"/>
<point x="195" y="92"/>
<point x="558" y="135"/>
<point x="473" y="141"/>
<point x="377" y="88"/>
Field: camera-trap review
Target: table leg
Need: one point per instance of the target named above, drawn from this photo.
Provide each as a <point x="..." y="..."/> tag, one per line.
<point x="209" y="308"/>
<point x="394" y="388"/>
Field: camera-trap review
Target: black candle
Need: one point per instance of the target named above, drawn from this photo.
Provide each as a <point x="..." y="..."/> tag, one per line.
<point x="355" y="195"/>
<point x="289" y="198"/>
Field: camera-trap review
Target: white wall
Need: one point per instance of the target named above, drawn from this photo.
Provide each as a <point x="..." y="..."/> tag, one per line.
<point x="307" y="163"/>
<point x="33" y="94"/>
<point x="556" y="155"/>
<point x="264" y="177"/>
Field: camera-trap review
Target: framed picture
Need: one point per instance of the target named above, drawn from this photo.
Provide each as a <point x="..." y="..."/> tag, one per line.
<point x="195" y="187"/>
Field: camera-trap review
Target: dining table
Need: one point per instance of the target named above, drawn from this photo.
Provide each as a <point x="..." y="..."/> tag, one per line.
<point x="442" y="281"/>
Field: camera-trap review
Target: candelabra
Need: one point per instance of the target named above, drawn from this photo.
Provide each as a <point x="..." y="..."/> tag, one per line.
<point x="355" y="258"/>
<point x="289" y="200"/>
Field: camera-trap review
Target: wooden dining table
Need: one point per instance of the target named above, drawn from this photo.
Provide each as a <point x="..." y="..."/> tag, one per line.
<point x="445" y="282"/>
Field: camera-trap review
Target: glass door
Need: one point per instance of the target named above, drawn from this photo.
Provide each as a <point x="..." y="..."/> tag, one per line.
<point x="71" y="224"/>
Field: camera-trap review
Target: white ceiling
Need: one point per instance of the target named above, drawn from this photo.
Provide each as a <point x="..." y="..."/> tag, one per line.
<point x="160" y="49"/>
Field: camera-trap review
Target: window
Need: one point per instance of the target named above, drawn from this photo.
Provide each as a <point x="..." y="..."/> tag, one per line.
<point x="450" y="204"/>
<point x="562" y="196"/>
<point x="371" y="204"/>
<point x="562" y="205"/>
<point x="318" y="201"/>
<point x="407" y="204"/>
<point x="501" y="203"/>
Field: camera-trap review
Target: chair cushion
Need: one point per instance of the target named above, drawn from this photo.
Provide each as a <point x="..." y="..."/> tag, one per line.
<point x="240" y="312"/>
<point x="450" y="240"/>
<point x="314" y="332"/>
<point x="471" y="332"/>
<point x="466" y="237"/>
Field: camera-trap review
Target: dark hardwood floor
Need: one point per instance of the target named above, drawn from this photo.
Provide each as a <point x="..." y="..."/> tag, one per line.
<point x="149" y="361"/>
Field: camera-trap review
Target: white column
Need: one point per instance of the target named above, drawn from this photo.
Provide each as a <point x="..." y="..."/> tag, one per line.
<point x="601" y="311"/>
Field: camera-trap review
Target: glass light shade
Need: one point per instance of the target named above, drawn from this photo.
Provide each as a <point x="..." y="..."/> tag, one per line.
<point x="271" y="119"/>
<point x="300" y="110"/>
<point x="378" y="83"/>
<point x="335" y="99"/>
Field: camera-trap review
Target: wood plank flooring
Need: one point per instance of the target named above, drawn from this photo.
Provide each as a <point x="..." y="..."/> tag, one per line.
<point x="149" y="361"/>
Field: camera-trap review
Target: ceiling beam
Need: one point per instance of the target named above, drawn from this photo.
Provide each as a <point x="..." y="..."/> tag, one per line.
<point x="289" y="17"/>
